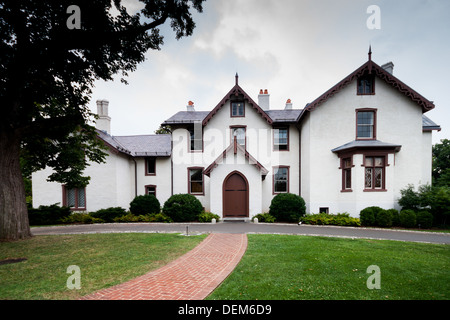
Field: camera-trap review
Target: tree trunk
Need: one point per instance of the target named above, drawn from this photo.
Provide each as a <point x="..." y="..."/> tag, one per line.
<point x="14" y="223"/>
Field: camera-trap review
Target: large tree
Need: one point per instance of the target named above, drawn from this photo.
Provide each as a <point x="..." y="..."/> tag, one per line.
<point x="51" y="52"/>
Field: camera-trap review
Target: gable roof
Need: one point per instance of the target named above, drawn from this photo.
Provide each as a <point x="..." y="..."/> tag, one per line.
<point x="154" y="145"/>
<point x="236" y="91"/>
<point x="236" y="147"/>
<point x="372" y="68"/>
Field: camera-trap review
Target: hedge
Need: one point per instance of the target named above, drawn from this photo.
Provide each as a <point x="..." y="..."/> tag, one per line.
<point x="340" y="219"/>
<point x="45" y="215"/>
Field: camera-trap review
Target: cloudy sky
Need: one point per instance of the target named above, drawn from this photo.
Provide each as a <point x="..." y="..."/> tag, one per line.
<point x="297" y="49"/>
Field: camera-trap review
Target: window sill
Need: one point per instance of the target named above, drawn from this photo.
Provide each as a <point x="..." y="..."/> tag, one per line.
<point x="375" y="190"/>
<point x="347" y="190"/>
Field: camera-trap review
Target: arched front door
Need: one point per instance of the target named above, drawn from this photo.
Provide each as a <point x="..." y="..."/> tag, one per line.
<point x="235" y="195"/>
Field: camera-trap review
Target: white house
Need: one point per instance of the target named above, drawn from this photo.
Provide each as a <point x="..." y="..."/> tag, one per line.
<point x="357" y="145"/>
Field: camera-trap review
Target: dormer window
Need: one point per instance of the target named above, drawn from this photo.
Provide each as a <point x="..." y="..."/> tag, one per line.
<point x="365" y="85"/>
<point x="237" y="109"/>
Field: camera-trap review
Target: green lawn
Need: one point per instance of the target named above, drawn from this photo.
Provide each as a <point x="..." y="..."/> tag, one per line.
<point x="298" y="267"/>
<point x="104" y="260"/>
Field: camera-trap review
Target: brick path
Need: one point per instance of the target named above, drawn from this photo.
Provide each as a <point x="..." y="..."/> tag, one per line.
<point x="193" y="276"/>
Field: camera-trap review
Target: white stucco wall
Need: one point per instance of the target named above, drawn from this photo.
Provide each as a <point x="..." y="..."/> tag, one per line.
<point x="216" y="138"/>
<point x="333" y="123"/>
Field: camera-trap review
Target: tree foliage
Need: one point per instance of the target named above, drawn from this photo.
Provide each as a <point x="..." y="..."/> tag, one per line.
<point x="47" y="71"/>
<point x="441" y="163"/>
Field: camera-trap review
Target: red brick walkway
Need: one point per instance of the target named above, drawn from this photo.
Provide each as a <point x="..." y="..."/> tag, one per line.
<point x="193" y="276"/>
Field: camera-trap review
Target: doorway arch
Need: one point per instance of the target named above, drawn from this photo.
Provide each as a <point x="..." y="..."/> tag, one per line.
<point x="235" y="195"/>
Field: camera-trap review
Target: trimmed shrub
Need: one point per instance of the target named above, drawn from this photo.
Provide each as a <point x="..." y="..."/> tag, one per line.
<point x="79" y="217"/>
<point x="407" y="218"/>
<point x="368" y="216"/>
<point x="52" y="214"/>
<point x="424" y="219"/>
<point x="207" y="217"/>
<point x="287" y="207"/>
<point x="341" y="219"/>
<point x="108" y="215"/>
<point x="264" y="217"/>
<point x="145" y="204"/>
<point x="384" y="218"/>
<point x="395" y="217"/>
<point x="182" y="207"/>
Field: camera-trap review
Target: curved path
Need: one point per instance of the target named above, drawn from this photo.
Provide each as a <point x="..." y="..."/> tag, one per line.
<point x="248" y="228"/>
<point x="193" y="276"/>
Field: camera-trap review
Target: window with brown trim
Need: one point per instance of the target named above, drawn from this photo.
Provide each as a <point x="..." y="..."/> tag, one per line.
<point x="195" y="180"/>
<point x="195" y="140"/>
<point x="75" y="198"/>
<point x="366" y="85"/>
<point x="150" y="166"/>
<point x="237" y="109"/>
<point x="346" y="165"/>
<point x="366" y="124"/>
<point x="150" y="189"/>
<point x="280" y="179"/>
<point x="374" y="173"/>
<point x="281" y="139"/>
<point x="239" y="133"/>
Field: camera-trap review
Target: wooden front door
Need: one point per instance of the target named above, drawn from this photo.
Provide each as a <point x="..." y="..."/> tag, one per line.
<point x="235" y="195"/>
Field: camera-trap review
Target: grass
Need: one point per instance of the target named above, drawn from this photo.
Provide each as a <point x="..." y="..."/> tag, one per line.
<point x="104" y="260"/>
<point x="288" y="267"/>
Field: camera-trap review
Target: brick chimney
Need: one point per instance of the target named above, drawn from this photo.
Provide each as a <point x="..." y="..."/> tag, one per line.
<point x="190" y="106"/>
<point x="264" y="99"/>
<point x="288" y="105"/>
<point x="104" y="121"/>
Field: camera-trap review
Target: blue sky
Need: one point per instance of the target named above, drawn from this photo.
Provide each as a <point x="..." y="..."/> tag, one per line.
<point x="295" y="49"/>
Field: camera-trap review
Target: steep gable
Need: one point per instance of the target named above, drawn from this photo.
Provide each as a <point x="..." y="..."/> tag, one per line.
<point x="370" y="68"/>
<point x="237" y="91"/>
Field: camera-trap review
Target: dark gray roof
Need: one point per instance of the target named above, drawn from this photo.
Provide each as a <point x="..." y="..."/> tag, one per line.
<point x="186" y="117"/>
<point x="366" y="144"/>
<point x="181" y="117"/>
<point x="290" y="115"/>
<point x="428" y="124"/>
<point x="154" y="145"/>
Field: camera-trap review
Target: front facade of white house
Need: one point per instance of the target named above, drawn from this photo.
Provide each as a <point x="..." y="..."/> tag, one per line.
<point x="357" y="145"/>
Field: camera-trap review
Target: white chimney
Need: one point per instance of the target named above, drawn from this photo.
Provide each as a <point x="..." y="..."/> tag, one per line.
<point x="104" y="121"/>
<point x="190" y="106"/>
<point x="288" y="105"/>
<point x="389" y="67"/>
<point x="264" y="99"/>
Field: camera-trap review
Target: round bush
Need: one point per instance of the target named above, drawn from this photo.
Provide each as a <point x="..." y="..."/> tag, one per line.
<point x="145" y="204"/>
<point x="287" y="207"/>
<point x="407" y="218"/>
<point x="368" y="216"/>
<point x="424" y="219"/>
<point x="384" y="218"/>
<point x="182" y="207"/>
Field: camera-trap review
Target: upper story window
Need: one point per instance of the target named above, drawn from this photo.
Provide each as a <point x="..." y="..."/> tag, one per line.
<point x="195" y="140"/>
<point x="366" y="124"/>
<point x="281" y="139"/>
<point x="239" y="133"/>
<point x="150" y="166"/>
<point x="237" y="109"/>
<point x="366" y="85"/>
